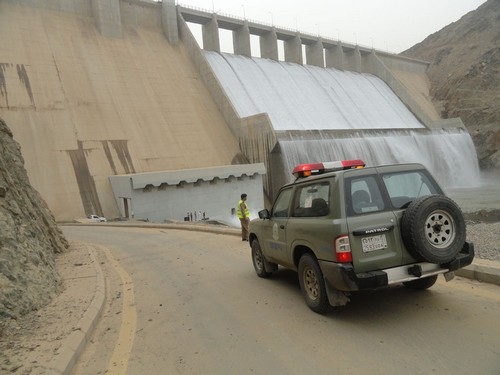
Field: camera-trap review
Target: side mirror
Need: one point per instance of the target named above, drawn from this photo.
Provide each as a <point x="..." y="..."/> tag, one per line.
<point x="264" y="214"/>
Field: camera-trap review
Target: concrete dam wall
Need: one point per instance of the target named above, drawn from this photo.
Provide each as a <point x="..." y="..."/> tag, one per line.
<point x="85" y="106"/>
<point x="99" y="88"/>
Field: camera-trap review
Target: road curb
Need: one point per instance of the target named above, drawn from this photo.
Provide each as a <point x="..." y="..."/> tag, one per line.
<point x="74" y="344"/>
<point x="190" y="227"/>
<point x="483" y="270"/>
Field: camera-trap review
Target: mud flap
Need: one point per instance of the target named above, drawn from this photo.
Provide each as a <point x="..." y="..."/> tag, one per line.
<point x="269" y="267"/>
<point x="336" y="297"/>
<point x="448" y="276"/>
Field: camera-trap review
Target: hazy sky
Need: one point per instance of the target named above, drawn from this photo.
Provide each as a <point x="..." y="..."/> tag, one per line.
<point x="389" y="25"/>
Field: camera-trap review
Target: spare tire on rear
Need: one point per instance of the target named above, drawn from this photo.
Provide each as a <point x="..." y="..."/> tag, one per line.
<point x="433" y="229"/>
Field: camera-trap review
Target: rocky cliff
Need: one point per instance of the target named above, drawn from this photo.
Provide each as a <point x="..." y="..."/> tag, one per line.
<point x="465" y="76"/>
<point x="29" y="237"/>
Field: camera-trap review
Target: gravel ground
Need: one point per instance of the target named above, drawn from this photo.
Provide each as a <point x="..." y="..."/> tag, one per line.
<point x="483" y="229"/>
<point x="486" y="239"/>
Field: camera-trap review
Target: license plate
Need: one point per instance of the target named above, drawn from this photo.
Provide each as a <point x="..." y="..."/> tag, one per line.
<point x="373" y="243"/>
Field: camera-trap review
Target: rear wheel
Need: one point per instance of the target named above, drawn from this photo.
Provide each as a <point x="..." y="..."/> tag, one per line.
<point x="421" y="284"/>
<point x="312" y="284"/>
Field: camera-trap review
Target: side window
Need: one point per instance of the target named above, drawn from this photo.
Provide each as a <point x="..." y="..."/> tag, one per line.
<point x="405" y="187"/>
<point x="280" y="208"/>
<point x="365" y="196"/>
<point x="312" y="200"/>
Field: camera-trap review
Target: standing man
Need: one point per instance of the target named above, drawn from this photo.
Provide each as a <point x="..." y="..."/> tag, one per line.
<point x="244" y="216"/>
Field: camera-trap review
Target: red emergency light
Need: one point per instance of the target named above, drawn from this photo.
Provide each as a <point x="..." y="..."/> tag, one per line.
<point x="306" y="170"/>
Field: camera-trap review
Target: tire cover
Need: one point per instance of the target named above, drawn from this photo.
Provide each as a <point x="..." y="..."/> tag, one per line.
<point x="433" y="229"/>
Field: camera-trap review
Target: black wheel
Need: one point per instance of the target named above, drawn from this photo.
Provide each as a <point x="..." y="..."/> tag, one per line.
<point x="259" y="262"/>
<point x="421" y="284"/>
<point x="433" y="229"/>
<point x="312" y="284"/>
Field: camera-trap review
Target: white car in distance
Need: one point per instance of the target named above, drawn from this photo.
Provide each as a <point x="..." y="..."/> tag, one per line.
<point x="97" y="219"/>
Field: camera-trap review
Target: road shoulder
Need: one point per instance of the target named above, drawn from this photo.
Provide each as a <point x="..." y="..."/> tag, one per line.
<point x="51" y="339"/>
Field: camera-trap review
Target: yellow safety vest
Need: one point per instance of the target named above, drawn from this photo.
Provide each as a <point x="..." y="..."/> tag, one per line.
<point x="240" y="214"/>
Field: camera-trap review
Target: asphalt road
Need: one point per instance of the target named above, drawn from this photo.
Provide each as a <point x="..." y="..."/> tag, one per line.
<point x="182" y="302"/>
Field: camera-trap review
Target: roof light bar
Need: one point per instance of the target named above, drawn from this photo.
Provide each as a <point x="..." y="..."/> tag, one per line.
<point x="306" y="170"/>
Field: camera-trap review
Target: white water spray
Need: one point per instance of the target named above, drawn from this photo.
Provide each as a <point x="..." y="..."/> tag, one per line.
<point x="449" y="155"/>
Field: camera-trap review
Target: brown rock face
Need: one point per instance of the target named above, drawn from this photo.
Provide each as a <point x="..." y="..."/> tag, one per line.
<point x="465" y="76"/>
<point x="29" y="237"/>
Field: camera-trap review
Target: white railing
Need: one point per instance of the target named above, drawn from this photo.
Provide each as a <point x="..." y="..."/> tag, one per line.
<point x="264" y="23"/>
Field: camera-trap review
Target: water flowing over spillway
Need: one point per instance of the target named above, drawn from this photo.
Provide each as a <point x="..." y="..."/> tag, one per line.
<point x="303" y="97"/>
<point x="449" y="155"/>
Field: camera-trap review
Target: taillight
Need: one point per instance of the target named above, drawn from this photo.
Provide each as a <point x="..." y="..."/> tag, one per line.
<point x="343" y="249"/>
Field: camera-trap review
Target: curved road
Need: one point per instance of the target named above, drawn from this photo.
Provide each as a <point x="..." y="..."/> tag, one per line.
<point x="182" y="302"/>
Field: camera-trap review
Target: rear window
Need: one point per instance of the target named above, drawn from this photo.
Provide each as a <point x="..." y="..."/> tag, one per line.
<point x="364" y="195"/>
<point x="403" y="187"/>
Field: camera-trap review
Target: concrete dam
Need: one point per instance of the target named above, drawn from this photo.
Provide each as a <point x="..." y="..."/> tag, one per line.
<point x="119" y="111"/>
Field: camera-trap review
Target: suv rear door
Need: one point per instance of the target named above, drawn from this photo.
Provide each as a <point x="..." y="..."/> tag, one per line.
<point x="374" y="233"/>
<point x="403" y="184"/>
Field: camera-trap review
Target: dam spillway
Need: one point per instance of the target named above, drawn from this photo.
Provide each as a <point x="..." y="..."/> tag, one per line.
<point x="304" y="97"/>
<point x="323" y="114"/>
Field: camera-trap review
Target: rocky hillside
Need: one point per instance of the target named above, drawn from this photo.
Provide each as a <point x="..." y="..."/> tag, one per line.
<point x="465" y="76"/>
<point x="29" y="237"/>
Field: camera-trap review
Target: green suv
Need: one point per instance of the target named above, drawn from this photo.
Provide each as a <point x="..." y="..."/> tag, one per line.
<point x="344" y="227"/>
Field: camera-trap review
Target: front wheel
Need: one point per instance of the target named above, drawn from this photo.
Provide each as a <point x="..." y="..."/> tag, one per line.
<point x="421" y="284"/>
<point x="259" y="262"/>
<point x="312" y="284"/>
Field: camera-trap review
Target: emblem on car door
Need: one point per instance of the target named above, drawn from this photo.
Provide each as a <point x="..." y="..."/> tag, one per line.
<point x="276" y="234"/>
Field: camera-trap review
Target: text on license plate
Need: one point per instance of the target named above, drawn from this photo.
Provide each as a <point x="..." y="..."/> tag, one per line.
<point x="373" y="243"/>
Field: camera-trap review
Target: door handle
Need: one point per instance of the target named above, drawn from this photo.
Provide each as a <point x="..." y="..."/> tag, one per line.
<point x="282" y="227"/>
